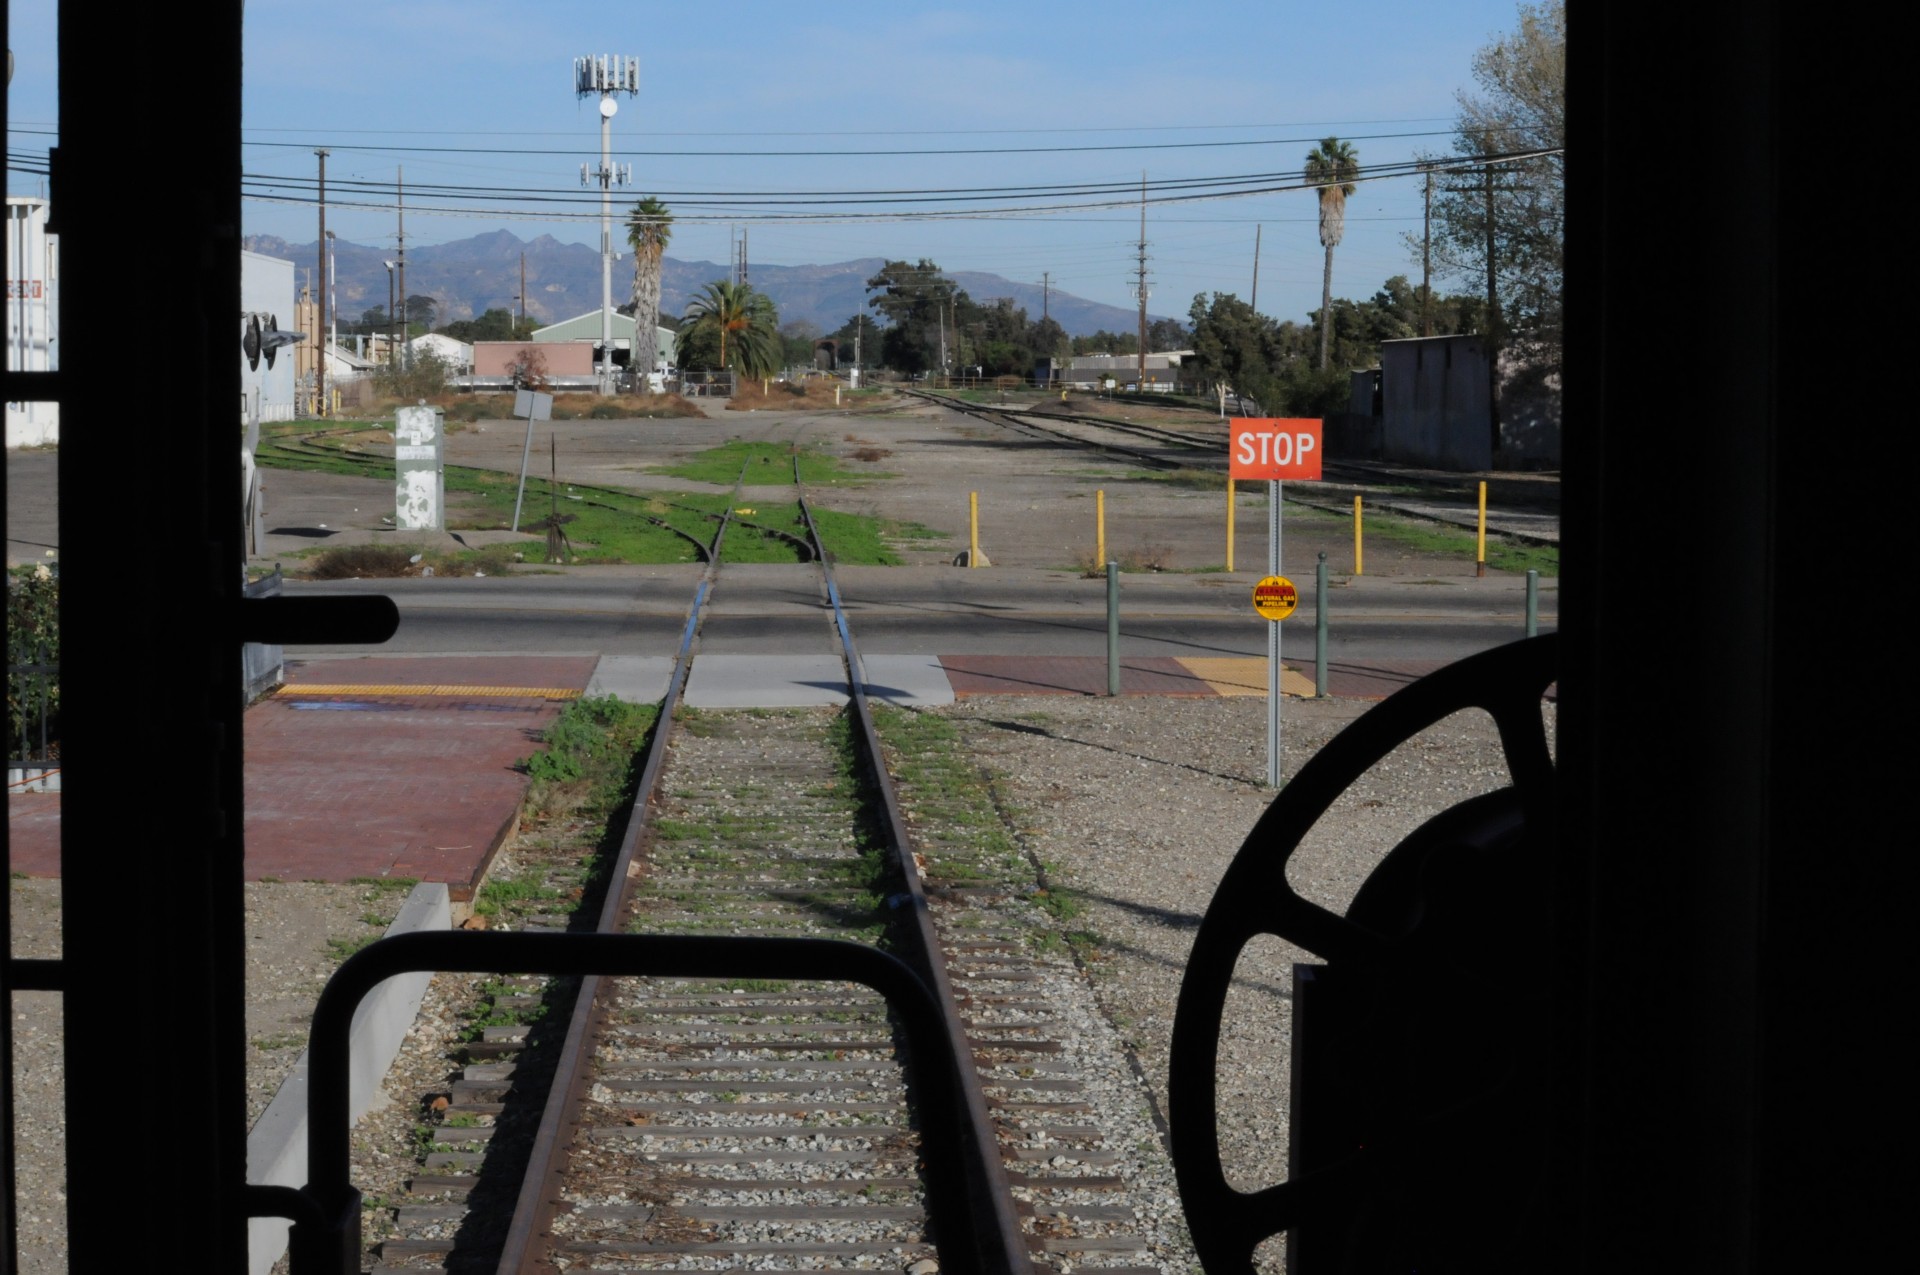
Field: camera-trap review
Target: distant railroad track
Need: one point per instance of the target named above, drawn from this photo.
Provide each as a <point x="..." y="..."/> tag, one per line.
<point x="700" y="1123"/>
<point x="1207" y="450"/>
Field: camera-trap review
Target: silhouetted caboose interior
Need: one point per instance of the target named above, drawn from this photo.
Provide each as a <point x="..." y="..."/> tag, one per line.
<point x="1717" y="929"/>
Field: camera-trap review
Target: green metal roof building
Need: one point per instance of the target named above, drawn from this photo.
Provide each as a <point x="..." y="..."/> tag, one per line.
<point x="586" y="327"/>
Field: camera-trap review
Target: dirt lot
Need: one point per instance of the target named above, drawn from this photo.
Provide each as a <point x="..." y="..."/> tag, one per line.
<point x="1037" y="499"/>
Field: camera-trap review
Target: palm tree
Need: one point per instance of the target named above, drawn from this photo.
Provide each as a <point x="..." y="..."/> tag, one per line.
<point x="649" y="227"/>
<point x="1331" y="166"/>
<point x="745" y="322"/>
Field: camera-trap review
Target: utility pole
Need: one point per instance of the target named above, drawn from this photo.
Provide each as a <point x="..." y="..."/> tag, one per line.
<point x="333" y="314"/>
<point x="605" y="76"/>
<point x="523" y="297"/>
<point x="1493" y="326"/>
<point x="1140" y="287"/>
<point x="320" y="364"/>
<point x="1492" y="333"/>
<point x="400" y="188"/>
<point x="1046" y="293"/>
<point x="1426" y="259"/>
<point x="1254" y="304"/>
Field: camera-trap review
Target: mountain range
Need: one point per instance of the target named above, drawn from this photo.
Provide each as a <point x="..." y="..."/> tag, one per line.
<point x="470" y="276"/>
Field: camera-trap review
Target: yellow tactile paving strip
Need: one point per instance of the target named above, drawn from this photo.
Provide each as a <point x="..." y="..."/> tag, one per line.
<point x="463" y="692"/>
<point x="1241" y="675"/>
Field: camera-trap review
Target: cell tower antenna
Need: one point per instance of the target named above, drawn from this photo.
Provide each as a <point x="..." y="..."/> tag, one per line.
<point x="606" y="76"/>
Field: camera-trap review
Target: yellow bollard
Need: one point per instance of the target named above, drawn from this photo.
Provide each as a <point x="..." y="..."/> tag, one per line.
<point x="973" y="529"/>
<point x="1100" y="527"/>
<point x="1358" y="560"/>
<point x="1480" y="546"/>
<point x="1230" y="508"/>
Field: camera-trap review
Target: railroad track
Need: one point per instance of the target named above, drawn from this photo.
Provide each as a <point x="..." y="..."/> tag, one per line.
<point x="771" y="1122"/>
<point x="1207" y="449"/>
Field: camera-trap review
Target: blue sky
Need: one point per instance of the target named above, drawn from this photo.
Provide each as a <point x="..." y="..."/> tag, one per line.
<point x="855" y="76"/>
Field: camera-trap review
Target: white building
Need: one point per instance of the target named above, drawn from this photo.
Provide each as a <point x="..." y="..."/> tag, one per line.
<point x="33" y="315"/>
<point x="457" y="355"/>
<point x="266" y="297"/>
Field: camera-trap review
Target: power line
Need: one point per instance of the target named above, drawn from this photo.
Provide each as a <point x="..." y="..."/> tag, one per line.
<point x="727" y="205"/>
<point x="345" y="148"/>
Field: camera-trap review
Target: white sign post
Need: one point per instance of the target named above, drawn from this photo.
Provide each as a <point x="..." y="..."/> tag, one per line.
<point x="535" y="406"/>
<point x="420" y="478"/>
<point x="1273" y="450"/>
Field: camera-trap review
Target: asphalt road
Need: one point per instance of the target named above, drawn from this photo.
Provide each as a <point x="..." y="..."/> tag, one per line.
<point x="929" y="610"/>
<point x="1036" y="512"/>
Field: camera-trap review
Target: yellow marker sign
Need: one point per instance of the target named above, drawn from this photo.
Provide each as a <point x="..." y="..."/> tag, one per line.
<point x="1275" y="597"/>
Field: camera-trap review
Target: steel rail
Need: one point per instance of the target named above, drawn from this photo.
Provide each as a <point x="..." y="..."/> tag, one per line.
<point x="1344" y="472"/>
<point x="326" y="1214"/>
<point x="539" y="1196"/>
<point x="1002" y="1245"/>
<point x="1009" y="420"/>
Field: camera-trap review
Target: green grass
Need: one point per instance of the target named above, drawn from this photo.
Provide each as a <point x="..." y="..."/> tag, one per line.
<point x="592" y="738"/>
<point x="625" y="527"/>
<point x="1447" y="542"/>
<point x="1439" y="539"/>
<point x="1186" y="476"/>
<point x="340" y="949"/>
<point x="859" y="541"/>
<point x="758" y="985"/>
<point x="511" y="891"/>
<point x="386" y="885"/>
<point x="767" y="464"/>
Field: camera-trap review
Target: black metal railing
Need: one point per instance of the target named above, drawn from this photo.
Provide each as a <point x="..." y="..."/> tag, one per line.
<point x="33" y="712"/>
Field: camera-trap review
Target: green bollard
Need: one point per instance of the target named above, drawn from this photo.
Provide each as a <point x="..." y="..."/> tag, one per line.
<point x="1320" y="628"/>
<point x="1113" y="628"/>
<point x="1533" y="603"/>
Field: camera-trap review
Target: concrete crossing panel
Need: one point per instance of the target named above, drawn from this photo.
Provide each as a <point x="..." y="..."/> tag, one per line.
<point x="766" y="681"/>
<point x="908" y="680"/>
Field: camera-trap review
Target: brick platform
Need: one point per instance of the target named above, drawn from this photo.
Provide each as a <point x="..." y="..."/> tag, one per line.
<point x="378" y="778"/>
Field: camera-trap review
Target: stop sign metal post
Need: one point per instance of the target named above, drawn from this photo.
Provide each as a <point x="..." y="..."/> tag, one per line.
<point x="1274" y="449"/>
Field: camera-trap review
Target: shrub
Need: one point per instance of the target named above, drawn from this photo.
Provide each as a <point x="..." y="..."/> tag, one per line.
<point x="422" y="376"/>
<point x="363" y="562"/>
<point x="33" y="637"/>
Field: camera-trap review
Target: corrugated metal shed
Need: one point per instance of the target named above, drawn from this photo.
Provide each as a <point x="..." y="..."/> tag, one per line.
<point x="586" y="327"/>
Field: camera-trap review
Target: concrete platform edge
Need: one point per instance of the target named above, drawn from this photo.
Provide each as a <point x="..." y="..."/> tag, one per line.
<point x="277" y="1146"/>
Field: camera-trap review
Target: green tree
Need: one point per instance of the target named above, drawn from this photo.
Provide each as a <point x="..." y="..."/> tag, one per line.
<point x="1331" y="167"/>
<point x="422" y="376"/>
<point x="1167" y="334"/>
<point x="420" y="311"/>
<point x="1510" y="134"/>
<point x="742" y="324"/>
<point x="920" y="306"/>
<point x="858" y="334"/>
<point x="1048" y="340"/>
<point x="797" y="337"/>
<point x="497" y="324"/>
<point x="1105" y="342"/>
<point x="1234" y="346"/>
<point x="649" y="228"/>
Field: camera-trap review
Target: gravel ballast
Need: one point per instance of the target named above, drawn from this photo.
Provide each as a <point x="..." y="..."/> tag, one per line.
<point x="297" y="933"/>
<point x="1134" y="807"/>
